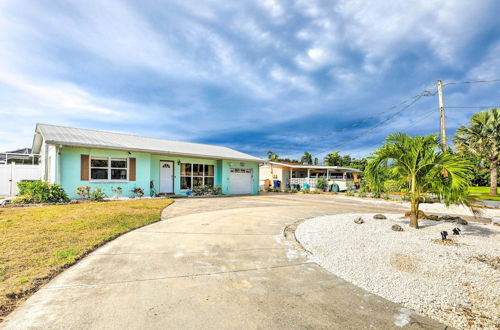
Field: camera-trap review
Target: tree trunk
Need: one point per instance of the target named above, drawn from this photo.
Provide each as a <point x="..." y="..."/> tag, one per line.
<point x="493" y="176"/>
<point x="414" y="205"/>
<point x="414" y="214"/>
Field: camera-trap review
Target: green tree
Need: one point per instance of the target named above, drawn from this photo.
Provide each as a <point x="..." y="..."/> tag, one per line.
<point x="272" y="156"/>
<point x="316" y="161"/>
<point x="482" y="139"/>
<point x="420" y="163"/>
<point x="346" y="160"/>
<point x="306" y="158"/>
<point x="360" y="164"/>
<point x="333" y="159"/>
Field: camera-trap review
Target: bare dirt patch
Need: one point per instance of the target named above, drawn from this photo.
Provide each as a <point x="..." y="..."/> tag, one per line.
<point x="405" y="263"/>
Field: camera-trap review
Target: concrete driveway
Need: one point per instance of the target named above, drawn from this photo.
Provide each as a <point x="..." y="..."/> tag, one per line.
<point x="219" y="263"/>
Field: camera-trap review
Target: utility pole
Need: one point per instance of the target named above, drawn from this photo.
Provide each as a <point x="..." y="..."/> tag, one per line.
<point x="441" y="110"/>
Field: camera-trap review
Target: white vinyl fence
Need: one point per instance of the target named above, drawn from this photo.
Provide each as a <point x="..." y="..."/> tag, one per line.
<point x="11" y="174"/>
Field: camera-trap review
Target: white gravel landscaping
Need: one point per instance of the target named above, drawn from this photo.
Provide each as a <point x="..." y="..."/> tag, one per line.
<point x="457" y="284"/>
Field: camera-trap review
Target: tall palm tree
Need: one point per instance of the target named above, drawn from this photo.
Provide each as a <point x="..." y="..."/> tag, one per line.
<point x="333" y="159"/>
<point x="272" y="156"/>
<point x="306" y="158"/>
<point x="482" y="139"/>
<point x="420" y="163"/>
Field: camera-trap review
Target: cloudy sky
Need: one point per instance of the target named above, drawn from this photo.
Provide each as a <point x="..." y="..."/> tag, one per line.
<point x="260" y="75"/>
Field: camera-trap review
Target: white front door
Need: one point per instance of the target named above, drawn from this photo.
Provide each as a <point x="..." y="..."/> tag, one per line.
<point x="166" y="177"/>
<point x="241" y="181"/>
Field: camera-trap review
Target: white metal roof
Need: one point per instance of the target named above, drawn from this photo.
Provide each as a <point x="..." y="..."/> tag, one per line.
<point x="69" y="136"/>
<point x="316" y="167"/>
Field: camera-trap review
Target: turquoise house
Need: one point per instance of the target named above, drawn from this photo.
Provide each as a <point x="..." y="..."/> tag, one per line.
<point x="74" y="157"/>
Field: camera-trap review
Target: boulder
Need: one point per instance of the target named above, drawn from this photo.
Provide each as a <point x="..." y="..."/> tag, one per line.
<point x="396" y="228"/>
<point x="421" y="214"/>
<point x="432" y="217"/>
<point x="379" y="216"/>
<point x="495" y="221"/>
<point x="359" y="220"/>
<point x="461" y="221"/>
<point x="448" y="218"/>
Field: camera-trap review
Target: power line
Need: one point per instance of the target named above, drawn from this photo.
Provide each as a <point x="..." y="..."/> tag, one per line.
<point x="471" y="82"/>
<point x="424" y="116"/>
<point x="473" y="107"/>
<point x="413" y="100"/>
<point x="370" y="129"/>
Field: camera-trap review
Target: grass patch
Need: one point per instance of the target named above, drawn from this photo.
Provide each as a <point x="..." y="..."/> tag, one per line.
<point x="483" y="193"/>
<point x="37" y="243"/>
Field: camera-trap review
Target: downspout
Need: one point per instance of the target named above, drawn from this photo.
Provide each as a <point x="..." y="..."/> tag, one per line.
<point x="46" y="163"/>
<point x="58" y="165"/>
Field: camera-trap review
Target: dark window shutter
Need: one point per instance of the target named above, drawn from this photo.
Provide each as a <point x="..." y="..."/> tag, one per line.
<point x="131" y="174"/>
<point x="84" y="168"/>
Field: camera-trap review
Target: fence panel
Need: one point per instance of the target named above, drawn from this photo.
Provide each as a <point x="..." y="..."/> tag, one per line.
<point x="12" y="173"/>
<point x="5" y="177"/>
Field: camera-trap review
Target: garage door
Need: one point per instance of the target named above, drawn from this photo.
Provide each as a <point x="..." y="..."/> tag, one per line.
<point x="241" y="181"/>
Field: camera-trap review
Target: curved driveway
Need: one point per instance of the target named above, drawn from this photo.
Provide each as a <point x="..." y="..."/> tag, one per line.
<point x="218" y="263"/>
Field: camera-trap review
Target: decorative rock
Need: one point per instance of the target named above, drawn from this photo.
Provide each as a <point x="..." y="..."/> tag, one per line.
<point x="495" y="221"/>
<point x="396" y="228"/>
<point x="461" y="221"/>
<point x="379" y="216"/>
<point x="432" y="217"/>
<point x="448" y="218"/>
<point x="421" y="214"/>
<point x="359" y="220"/>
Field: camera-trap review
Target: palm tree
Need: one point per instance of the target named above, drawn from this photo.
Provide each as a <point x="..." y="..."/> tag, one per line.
<point x="333" y="159"/>
<point x="306" y="158"/>
<point x="420" y="163"/>
<point x="482" y="139"/>
<point x="272" y="156"/>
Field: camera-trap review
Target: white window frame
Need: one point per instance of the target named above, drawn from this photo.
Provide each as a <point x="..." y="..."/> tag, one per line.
<point x="192" y="175"/>
<point x="109" y="168"/>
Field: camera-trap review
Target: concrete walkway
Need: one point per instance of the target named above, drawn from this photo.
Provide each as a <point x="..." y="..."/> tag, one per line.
<point x="219" y="263"/>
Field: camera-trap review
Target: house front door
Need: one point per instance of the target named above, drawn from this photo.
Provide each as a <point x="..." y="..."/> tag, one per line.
<point x="166" y="177"/>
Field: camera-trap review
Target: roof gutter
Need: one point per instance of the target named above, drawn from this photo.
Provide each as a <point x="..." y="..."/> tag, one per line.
<point x="82" y="145"/>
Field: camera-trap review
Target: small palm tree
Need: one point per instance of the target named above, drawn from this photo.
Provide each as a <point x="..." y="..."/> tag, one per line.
<point x="306" y="158"/>
<point x="420" y="163"/>
<point x="482" y="139"/>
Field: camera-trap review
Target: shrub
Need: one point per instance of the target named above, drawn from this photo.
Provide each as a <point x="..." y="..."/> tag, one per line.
<point x="362" y="194"/>
<point x="349" y="193"/>
<point x="305" y="190"/>
<point x="217" y="190"/>
<point x="385" y="196"/>
<point x="118" y="192"/>
<point x="294" y="190"/>
<point x="392" y="186"/>
<point x="97" y="195"/>
<point x="138" y="192"/>
<point x="83" y="191"/>
<point x="321" y="184"/>
<point x="317" y="191"/>
<point x="270" y="189"/>
<point x="205" y="190"/>
<point x="40" y="192"/>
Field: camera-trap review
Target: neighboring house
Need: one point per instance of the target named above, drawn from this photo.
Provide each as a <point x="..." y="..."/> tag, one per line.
<point x="76" y="157"/>
<point x="293" y="175"/>
<point x="19" y="156"/>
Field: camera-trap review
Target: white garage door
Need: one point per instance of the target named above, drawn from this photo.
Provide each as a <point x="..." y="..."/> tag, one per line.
<point x="241" y="181"/>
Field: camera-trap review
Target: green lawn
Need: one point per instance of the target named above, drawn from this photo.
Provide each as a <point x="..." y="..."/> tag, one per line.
<point x="483" y="193"/>
<point x="36" y="243"/>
